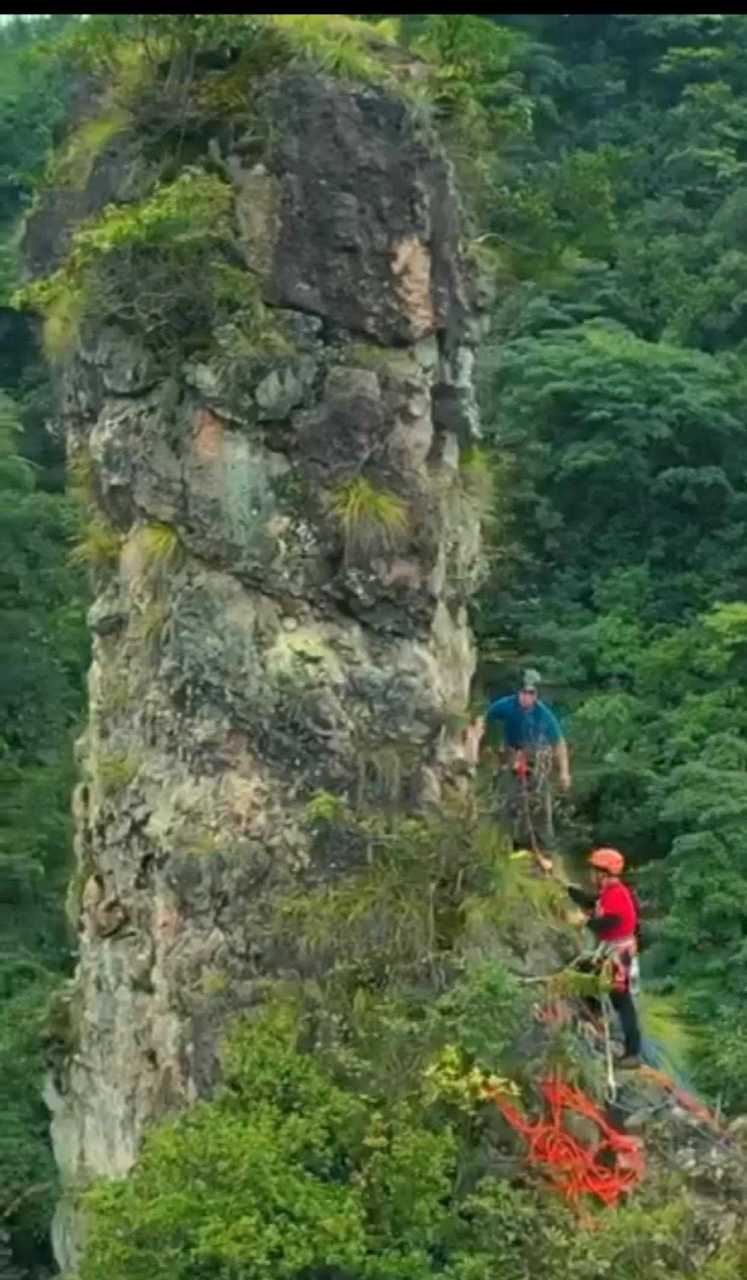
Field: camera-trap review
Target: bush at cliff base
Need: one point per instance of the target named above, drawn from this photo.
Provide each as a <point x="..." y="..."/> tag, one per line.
<point x="288" y="1175"/>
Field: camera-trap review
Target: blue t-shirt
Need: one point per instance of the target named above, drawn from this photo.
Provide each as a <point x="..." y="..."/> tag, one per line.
<point x="536" y="727"/>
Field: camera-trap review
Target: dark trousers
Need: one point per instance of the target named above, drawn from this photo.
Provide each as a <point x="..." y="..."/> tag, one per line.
<point x="624" y="1006"/>
<point x="529" y="803"/>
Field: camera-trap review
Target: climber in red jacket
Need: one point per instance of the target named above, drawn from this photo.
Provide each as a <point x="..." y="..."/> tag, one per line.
<point x="614" y="920"/>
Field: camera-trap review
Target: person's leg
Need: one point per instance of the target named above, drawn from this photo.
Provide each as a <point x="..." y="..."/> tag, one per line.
<point x="542" y="801"/>
<point x="547" y="826"/>
<point x="624" y="1006"/>
<point x="514" y="805"/>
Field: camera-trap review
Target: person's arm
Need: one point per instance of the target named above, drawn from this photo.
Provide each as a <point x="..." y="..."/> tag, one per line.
<point x="473" y="736"/>
<point x="559" y="746"/>
<point x="499" y="710"/>
<point x="581" y="897"/>
<point x="561" y="759"/>
<point x="599" y="925"/>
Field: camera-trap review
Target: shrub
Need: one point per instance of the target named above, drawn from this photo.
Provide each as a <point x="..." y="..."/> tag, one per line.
<point x="720" y="1059"/>
<point x="80" y="477"/>
<point x="195" y="206"/>
<point x="286" y="1174"/>
<point x="338" y="43"/>
<point x="485" y="1011"/>
<point x="149" y="264"/>
<point x="404" y="909"/>
<point x="325" y="807"/>
<point x="253" y="1184"/>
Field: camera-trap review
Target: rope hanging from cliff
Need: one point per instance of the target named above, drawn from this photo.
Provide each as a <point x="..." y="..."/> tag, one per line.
<point x="523" y="771"/>
<point x="573" y="1169"/>
<point x="685" y="1099"/>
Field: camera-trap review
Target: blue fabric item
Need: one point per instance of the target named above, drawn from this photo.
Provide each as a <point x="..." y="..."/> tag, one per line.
<point x="534" y="728"/>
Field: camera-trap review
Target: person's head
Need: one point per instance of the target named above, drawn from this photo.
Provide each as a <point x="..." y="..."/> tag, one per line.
<point x="606" y="864"/>
<point x="529" y="691"/>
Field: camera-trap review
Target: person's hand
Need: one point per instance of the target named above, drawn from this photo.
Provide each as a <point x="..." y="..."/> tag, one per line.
<point x="565" y="781"/>
<point x="472" y="738"/>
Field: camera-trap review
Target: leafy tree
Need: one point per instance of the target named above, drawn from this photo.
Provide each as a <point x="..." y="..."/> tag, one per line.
<point x="288" y="1174"/>
<point x="614" y="410"/>
<point x="42" y="658"/>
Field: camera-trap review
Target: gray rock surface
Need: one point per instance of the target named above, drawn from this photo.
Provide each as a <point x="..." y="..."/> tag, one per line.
<point x="249" y="651"/>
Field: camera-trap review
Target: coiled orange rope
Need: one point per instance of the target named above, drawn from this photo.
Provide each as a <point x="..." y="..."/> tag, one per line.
<point x="573" y="1169"/>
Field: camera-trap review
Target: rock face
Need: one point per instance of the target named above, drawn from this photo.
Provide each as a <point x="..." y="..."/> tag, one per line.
<point x="257" y="640"/>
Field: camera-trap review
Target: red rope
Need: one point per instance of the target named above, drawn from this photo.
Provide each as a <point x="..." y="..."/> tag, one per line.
<point x="573" y="1169"/>
<point x="685" y="1099"/>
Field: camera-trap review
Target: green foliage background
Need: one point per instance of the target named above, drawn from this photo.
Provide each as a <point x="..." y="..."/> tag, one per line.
<point x="43" y="655"/>
<point x="613" y="399"/>
<point x="605" y="162"/>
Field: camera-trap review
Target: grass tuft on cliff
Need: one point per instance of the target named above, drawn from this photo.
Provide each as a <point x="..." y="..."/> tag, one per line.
<point x="98" y="545"/>
<point x="372" y="520"/>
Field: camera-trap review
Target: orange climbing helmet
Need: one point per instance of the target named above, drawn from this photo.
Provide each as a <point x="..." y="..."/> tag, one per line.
<point x="609" y="860"/>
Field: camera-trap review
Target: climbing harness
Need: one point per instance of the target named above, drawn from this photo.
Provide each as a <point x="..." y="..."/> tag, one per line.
<point x="573" y="1169"/>
<point x="621" y="958"/>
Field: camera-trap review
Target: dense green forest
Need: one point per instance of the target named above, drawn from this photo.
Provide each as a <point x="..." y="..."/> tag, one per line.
<point x="43" y="656"/>
<point x="605" y="161"/>
<point x="614" y="406"/>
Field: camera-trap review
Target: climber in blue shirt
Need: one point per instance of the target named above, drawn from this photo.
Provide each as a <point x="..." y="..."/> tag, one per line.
<point x="534" y="737"/>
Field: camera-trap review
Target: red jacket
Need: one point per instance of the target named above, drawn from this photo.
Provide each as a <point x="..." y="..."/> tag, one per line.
<point x="617" y="901"/>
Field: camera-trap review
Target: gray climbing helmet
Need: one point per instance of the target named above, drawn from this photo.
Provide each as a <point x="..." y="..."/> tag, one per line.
<point x="530" y="680"/>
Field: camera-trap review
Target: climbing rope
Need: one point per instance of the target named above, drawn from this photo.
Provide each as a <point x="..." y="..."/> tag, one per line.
<point x="524" y="770"/>
<point x="573" y="1169"/>
<point x="606" y="1015"/>
<point x="681" y="1096"/>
